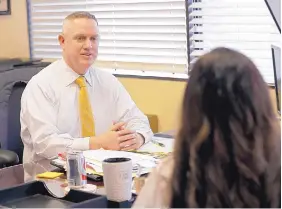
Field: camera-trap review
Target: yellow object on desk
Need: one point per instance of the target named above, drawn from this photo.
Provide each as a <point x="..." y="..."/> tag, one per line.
<point x="49" y="175"/>
<point x="158" y="143"/>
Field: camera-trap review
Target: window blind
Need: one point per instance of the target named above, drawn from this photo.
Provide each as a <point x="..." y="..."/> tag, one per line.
<point x="148" y="35"/>
<point x="243" y="25"/>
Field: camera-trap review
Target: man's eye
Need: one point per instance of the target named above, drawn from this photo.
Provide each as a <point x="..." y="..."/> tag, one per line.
<point x="80" y="38"/>
<point x="94" y="38"/>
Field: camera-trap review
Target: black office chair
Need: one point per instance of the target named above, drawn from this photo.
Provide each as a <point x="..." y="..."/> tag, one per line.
<point x="13" y="152"/>
<point x="14" y="127"/>
<point x="14" y="73"/>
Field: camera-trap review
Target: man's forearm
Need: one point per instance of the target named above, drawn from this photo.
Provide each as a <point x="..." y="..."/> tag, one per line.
<point x="94" y="143"/>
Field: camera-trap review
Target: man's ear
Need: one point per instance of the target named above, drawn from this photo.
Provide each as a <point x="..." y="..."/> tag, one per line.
<point x="61" y="40"/>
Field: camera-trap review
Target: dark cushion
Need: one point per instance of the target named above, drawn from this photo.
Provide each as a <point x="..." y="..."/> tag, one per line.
<point x="14" y="142"/>
<point x="8" y="158"/>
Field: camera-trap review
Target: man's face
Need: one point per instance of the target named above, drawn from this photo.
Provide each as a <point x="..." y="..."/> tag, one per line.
<point x="79" y="41"/>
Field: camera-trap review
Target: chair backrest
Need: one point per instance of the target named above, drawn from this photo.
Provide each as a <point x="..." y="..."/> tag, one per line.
<point x="12" y="83"/>
<point x="14" y="142"/>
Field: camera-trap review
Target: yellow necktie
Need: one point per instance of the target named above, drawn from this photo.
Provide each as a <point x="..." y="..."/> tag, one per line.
<point x="85" y="111"/>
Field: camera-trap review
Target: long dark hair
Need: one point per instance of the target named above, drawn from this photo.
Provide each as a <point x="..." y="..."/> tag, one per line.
<point x="227" y="152"/>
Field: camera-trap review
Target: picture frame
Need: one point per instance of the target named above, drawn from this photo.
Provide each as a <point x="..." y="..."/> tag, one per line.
<point x="5" y="7"/>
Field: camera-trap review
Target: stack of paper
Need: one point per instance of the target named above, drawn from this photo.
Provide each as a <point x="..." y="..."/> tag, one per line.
<point x="95" y="158"/>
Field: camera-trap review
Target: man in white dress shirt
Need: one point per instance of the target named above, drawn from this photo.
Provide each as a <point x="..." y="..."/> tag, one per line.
<point x="50" y="114"/>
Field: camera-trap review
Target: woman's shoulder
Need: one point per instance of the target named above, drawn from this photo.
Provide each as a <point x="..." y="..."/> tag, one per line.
<point x="156" y="191"/>
<point x="165" y="168"/>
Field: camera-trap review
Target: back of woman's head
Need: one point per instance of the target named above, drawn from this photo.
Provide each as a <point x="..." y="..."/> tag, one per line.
<point x="227" y="152"/>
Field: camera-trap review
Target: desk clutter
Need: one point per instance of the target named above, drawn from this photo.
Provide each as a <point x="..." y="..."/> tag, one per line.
<point x="116" y="169"/>
<point x="143" y="160"/>
<point x="121" y="171"/>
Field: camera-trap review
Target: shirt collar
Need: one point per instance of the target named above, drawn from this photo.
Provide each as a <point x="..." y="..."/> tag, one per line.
<point x="70" y="75"/>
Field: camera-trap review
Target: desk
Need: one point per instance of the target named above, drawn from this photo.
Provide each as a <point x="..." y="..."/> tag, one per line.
<point x="19" y="174"/>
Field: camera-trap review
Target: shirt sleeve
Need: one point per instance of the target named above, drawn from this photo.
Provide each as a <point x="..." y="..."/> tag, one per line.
<point x="128" y="112"/>
<point x="38" y="124"/>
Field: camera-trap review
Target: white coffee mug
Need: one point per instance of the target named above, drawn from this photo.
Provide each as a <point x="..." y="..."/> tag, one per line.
<point x="117" y="178"/>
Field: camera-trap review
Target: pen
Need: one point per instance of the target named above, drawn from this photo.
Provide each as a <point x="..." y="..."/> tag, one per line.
<point x="148" y="153"/>
<point x="158" y="143"/>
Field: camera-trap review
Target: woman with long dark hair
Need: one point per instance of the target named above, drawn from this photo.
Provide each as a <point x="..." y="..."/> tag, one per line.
<point x="228" y="149"/>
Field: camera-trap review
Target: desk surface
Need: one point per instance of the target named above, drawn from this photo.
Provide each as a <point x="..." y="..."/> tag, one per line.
<point x="19" y="174"/>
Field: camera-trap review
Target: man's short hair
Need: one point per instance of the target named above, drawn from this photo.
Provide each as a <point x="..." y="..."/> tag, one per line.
<point x="81" y="14"/>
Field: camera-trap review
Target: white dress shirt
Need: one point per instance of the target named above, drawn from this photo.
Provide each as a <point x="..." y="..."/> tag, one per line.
<point x="50" y="114"/>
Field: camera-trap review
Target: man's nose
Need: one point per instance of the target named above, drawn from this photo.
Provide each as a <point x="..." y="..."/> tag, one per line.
<point x="88" y="43"/>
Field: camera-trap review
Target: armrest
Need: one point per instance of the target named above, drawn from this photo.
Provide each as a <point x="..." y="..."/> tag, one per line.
<point x="8" y="158"/>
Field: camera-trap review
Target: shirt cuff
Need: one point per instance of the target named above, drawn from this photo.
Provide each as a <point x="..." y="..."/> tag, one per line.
<point x="81" y="144"/>
<point x="147" y="136"/>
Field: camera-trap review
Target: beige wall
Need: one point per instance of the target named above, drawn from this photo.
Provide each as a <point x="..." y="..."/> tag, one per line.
<point x="160" y="97"/>
<point x="14" y="31"/>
